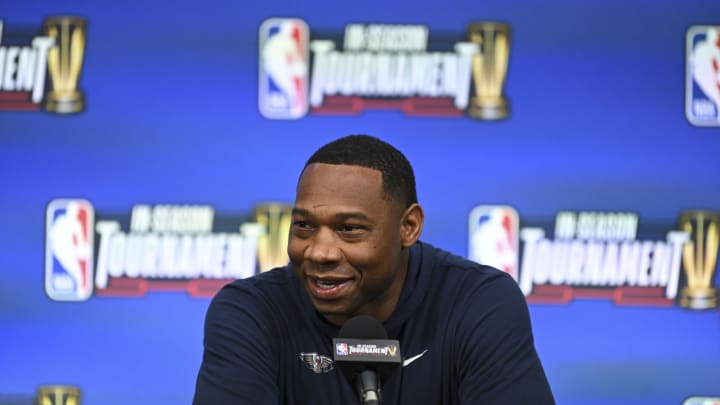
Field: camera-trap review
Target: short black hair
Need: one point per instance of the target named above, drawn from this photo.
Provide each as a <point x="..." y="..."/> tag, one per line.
<point x="398" y="179"/>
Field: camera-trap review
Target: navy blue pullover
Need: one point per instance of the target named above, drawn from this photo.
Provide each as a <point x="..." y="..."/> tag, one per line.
<point x="464" y="333"/>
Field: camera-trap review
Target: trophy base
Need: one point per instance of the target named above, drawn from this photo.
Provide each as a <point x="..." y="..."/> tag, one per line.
<point x="699" y="298"/>
<point x="65" y="102"/>
<point x="58" y="394"/>
<point x="486" y="108"/>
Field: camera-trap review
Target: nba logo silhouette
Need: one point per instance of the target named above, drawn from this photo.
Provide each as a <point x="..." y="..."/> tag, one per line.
<point x="69" y="250"/>
<point x="702" y="76"/>
<point x="283" y="80"/>
<point x="341" y="349"/>
<point x="493" y="237"/>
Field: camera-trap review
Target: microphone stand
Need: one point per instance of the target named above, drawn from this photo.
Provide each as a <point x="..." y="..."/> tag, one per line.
<point x="368" y="387"/>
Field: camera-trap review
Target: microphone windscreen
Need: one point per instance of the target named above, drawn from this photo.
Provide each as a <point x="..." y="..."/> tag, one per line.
<point x="363" y="327"/>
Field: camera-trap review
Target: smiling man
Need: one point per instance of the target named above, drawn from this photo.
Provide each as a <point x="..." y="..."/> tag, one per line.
<point x="463" y="328"/>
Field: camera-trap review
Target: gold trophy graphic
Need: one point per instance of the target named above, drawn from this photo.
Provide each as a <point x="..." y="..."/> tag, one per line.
<point x="272" y="246"/>
<point x="699" y="258"/>
<point x="58" y="395"/>
<point x="489" y="70"/>
<point x="64" y="63"/>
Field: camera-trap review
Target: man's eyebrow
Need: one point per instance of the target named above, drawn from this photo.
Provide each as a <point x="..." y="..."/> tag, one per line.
<point x="339" y="216"/>
<point x="300" y="211"/>
<point x="352" y="215"/>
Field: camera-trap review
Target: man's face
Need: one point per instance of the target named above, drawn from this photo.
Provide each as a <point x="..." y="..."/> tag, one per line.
<point x="345" y="242"/>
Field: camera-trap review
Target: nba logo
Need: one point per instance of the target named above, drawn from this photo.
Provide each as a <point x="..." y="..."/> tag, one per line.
<point x="702" y="76"/>
<point x="341" y="349"/>
<point x="283" y="80"/>
<point x="69" y="250"/>
<point x="493" y="237"/>
<point x="702" y="401"/>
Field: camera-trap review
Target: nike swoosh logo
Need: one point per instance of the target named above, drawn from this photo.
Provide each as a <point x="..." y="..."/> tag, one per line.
<point x="407" y="361"/>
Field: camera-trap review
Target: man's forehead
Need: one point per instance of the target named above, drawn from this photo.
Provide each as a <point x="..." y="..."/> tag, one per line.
<point x="337" y="175"/>
<point x="324" y="184"/>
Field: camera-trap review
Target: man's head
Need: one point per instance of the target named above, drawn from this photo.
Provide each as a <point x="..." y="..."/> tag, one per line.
<point x="355" y="215"/>
<point x="398" y="179"/>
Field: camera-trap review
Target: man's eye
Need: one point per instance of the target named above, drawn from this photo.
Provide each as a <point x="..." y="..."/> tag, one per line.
<point x="301" y="224"/>
<point x="349" y="228"/>
<point x="301" y="229"/>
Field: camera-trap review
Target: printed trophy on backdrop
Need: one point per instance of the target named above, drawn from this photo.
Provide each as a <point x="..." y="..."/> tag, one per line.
<point x="489" y="70"/>
<point x="65" y="61"/>
<point x="699" y="258"/>
<point x="58" y="395"/>
<point x="272" y="245"/>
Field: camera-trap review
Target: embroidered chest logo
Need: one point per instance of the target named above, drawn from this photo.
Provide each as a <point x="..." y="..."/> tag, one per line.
<point x="409" y="360"/>
<point x="317" y="362"/>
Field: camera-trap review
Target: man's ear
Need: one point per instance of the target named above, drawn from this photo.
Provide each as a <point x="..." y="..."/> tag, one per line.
<point x="411" y="225"/>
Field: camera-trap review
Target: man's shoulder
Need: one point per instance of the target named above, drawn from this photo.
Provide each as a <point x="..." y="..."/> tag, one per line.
<point x="276" y="278"/>
<point x="458" y="266"/>
<point x="267" y="288"/>
<point x="466" y="278"/>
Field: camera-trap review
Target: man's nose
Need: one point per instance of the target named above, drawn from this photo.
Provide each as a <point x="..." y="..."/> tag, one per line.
<point x="323" y="247"/>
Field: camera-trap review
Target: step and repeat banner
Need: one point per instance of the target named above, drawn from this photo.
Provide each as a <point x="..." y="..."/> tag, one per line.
<point x="149" y="154"/>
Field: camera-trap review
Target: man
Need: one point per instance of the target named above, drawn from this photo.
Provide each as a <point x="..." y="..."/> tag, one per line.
<point x="463" y="328"/>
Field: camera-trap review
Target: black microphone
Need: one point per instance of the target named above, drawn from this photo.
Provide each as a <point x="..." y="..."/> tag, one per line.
<point x="366" y="356"/>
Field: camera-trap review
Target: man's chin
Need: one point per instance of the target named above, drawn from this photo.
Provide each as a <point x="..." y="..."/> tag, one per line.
<point x="336" y="319"/>
<point x="333" y="315"/>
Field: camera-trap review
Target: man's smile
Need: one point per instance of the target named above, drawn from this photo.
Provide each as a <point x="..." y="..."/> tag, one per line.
<point x="328" y="288"/>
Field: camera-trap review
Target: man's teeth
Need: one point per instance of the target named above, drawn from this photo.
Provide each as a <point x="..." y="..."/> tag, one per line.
<point x="326" y="284"/>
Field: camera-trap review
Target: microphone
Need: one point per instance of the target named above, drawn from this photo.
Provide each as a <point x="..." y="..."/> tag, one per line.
<point x="366" y="356"/>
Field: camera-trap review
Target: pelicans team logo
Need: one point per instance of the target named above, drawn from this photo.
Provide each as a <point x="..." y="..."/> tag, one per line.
<point x="702" y="81"/>
<point x="69" y="250"/>
<point x="316" y="362"/>
<point x="283" y="68"/>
